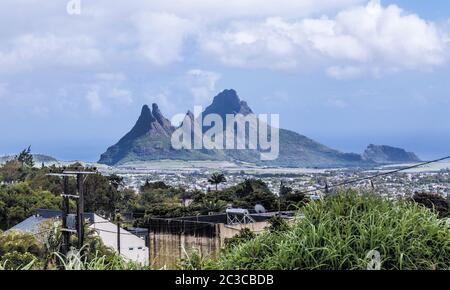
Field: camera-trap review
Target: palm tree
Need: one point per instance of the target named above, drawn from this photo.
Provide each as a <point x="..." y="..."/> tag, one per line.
<point x="216" y="179"/>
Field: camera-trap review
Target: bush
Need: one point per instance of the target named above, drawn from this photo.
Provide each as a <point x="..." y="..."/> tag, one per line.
<point x="337" y="233"/>
<point x="244" y="235"/>
<point x="15" y="241"/>
<point x="277" y="224"/>
<point x="15" y="260"/>
<point x="434" y="202"/>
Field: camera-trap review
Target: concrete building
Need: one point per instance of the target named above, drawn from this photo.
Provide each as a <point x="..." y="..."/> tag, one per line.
<point x="132" y="247"/>
<point x="174" y="239"/>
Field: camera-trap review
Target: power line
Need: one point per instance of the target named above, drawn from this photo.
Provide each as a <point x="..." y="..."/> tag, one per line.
<point x="377" y="175"/>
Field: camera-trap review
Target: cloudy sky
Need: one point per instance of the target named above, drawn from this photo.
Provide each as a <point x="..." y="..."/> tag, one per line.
<point x="344" y="72"/>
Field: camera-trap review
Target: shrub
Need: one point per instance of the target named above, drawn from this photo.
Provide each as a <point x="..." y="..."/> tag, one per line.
<point x="15" y="260"/>
<point x="244" y="235"/>
<point x="338" y="232"/>
<point x="277" y="224"/>
<point x="434" y="202"/>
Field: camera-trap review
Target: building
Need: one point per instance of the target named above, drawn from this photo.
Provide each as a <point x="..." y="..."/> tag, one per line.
<point x="174" y="239"/>
<point x="132" y="247"/>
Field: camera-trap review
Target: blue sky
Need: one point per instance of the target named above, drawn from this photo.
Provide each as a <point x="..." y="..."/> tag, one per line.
<point x="346" y="73"/>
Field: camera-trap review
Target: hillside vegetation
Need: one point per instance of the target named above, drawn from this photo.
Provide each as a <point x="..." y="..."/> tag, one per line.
<point x="340" y="231"/>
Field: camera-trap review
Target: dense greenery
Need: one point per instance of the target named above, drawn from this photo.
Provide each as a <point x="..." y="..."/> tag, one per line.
<point x="216" y="179"/>
<point x="339" y="232"/>
<point x="18" y="202"/>
<point x="434" y="202"/>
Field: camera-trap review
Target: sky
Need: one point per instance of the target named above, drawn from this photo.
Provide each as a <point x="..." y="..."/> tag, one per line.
<point x="346" y="73"/>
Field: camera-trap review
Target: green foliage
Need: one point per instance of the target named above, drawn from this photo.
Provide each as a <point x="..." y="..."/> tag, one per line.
<point x="216" y="179"/>
<point x="18" y="202"/>
<point x="25" y="157"/>
<point x="14" y="241"/>
<point x="12" y="171"/>
<point x="16" y="260"/>
<point x="252" y="192"/>
<point x="278" y="224"/>
<point x="78" y="260"/>
<point x="339" y="231"/>
<point x="192" y="261"/>
<point x="434" y="202"/>
<point x="154" y="185"/>
<point x="244" y="235"/>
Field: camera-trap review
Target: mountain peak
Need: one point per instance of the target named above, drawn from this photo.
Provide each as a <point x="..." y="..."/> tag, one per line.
<point x="387" y="154"/>
<point x="160" y="117"/>
<point x="145" y="111"/>
<point x="228" y="102"/>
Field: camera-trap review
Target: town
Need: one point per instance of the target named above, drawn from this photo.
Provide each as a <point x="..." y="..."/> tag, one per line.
<point x="402" y="184"/>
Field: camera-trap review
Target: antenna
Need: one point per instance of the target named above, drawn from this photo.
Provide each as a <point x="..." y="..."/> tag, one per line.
<point x="259" y="208"/>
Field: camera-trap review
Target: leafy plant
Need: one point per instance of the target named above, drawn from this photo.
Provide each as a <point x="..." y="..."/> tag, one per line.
<point x="434" y="202"/>
<point x="244" y="235"/>
<point x="339" y="231"/>
<point x="216" y="179"/>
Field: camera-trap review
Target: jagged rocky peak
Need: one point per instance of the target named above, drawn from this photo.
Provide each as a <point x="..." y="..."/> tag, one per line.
<point x="387" y="154"/>
<point x="146" y="114"/>
<point x="143" y="124"/>
<point x="228" y="102"/>
<point x="150" y="139"/>
<point x="160" y="117"/>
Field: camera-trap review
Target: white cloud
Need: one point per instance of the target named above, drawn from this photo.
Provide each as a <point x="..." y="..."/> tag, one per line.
<point x="202" y="84"/>
<point x="274" y="34"/>
<point x="161" y="37"/>
<point x="30" y="51"/>
<point x="102" y="97"/>
<point x="367" y="38"/>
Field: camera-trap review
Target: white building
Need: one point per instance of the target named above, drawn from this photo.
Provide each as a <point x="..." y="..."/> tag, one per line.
<point x="132" y="247"/>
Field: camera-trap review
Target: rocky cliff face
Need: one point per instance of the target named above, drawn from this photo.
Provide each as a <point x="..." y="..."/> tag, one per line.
<point x="386" y="154"/>
<point x="228" y="102"/>
<point x="150" y="139"/>
<point x="150" y="134"/>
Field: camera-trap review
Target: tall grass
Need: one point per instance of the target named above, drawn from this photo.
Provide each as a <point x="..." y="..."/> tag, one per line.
<point x="338" y="232"/>
<point x="75" y="260"/>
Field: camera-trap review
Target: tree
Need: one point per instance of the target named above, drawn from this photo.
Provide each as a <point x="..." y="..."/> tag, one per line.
<point x="116" y="181"/>
<point x="11" y="171"/>
<point x="25" y="157"/>
<point x="216" y="179"/>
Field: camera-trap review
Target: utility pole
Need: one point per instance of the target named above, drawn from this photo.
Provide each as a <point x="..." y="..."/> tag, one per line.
<point x="79" y="223"/>
<point x="118" y="219"/>
<point x="80" y="211"/>
<point x="372" y="185"/>
<point x="65" y="213"/>
<point x="118" y="237"/>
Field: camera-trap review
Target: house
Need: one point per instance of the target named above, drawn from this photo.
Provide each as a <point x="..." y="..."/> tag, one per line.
<point x="173" y="239"/>
<point x="132" y="247"/>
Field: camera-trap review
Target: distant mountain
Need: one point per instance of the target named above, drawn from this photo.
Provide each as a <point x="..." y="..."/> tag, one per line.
<point x="387" y="154"/>
<point x="150" y="139"/>
<point x="38" y="158"/>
